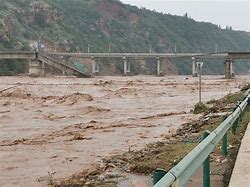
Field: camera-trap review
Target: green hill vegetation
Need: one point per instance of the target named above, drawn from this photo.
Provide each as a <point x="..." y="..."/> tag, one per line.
<point x="76" y="25"/>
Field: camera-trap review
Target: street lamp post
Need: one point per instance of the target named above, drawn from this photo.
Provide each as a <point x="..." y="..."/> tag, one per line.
<point x="109" y="47"/>
<point x="199" y="65"/>
<point x="150" y="49"/>
<point x="88" y="48"/>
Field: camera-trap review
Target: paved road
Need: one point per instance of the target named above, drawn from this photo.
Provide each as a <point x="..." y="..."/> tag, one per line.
<point x="241" y="173"/>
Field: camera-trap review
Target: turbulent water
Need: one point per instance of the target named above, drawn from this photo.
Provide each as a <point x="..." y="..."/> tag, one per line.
<point x="63" y="125"/>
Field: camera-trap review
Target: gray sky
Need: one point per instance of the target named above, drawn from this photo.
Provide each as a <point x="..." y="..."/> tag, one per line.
<point x="235" y="13"/>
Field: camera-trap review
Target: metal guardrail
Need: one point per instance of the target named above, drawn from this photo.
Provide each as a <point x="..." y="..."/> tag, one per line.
<point x="184" y="170"/>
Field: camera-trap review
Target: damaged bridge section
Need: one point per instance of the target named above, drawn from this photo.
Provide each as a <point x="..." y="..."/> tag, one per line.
<point x="37" y="63"/>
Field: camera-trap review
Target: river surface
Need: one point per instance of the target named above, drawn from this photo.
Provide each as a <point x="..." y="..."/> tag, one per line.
<point x="57" y="126"/>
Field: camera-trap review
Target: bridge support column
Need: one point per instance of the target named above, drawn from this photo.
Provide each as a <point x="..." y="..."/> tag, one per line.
<point x="159" y="67"/>
<point x="95" y="66"/>
<point x="36" y="68"/>
<point x="194" y="68"/>
<point x="229" y="69"/>
<point x="42" y="69"/>
<point x="67" y="60"/>
<point x="232" y="70"/>
<point x="64" y="72"/>
<point x="127" y="66"/>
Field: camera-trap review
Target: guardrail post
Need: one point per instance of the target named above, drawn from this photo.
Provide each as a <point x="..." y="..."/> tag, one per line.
<point x="206" y="166"/>
<point x="224" y="142"/>
<point x="158" y="174"/>
<point x="224" y="145"/>
<point x="234" y="127"/>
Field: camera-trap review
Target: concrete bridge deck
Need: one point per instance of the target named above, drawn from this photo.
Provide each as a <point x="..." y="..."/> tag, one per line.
<point x="223" y="55"/>
<point x="22" y="55"/>
<point x="241" y="173"/>
<point x="51" y="59"/>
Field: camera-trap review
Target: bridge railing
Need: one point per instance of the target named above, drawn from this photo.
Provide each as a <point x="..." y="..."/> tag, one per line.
<point x="25" y="55"/>
<point x="185" y="169"/>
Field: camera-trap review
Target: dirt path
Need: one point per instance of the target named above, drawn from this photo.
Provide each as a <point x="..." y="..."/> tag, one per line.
<point x="55" y="127"/>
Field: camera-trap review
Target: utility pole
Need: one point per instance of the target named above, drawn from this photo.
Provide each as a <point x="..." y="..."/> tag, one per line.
<point x="175" y="48"/>
<point x="216" y="48"/>
<point x="150" y="49"/>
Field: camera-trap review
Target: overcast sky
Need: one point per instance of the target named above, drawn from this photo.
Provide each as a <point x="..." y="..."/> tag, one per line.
<point x="235" y="13"/>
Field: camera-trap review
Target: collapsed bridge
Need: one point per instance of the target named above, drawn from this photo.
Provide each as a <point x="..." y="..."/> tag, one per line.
<point x="37" y="63"/>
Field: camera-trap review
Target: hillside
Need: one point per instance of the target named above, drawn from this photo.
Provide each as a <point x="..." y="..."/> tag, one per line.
<point x="74" y="25"/>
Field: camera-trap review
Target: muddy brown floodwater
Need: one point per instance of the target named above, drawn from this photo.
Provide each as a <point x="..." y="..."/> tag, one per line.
<point x="62" y="125"/>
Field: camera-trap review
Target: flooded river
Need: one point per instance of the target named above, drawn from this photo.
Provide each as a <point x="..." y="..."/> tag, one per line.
<point x="59" y="126"/>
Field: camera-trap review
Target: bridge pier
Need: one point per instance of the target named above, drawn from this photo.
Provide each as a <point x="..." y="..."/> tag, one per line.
<point x="194" y="68"/>
<point x="159" y="67"/>
<point x="229" y="69"/>
<point x="64" y="72"/>
<point x="127" y="66"/>
<point x="67" y="60"/>
<point x="36" y="68"/>
<point x="42" y="69"/>
<point x="95" y="66"/>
